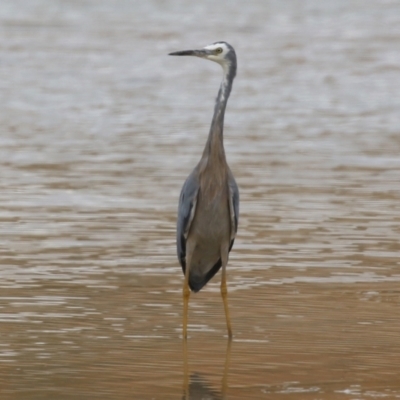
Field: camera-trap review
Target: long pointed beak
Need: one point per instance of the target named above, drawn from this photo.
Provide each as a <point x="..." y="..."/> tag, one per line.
<point x="196" y="53"/>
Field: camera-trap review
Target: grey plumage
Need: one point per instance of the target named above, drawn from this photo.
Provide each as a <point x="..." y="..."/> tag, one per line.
<point x="208" y="209"/>
<point x="186" y="212"/>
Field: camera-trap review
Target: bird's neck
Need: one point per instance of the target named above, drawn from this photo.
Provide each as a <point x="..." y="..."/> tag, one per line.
<point x="214" y="149"/>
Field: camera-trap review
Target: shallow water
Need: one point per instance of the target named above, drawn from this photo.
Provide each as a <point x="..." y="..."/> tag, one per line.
<point x="99" y="129"/>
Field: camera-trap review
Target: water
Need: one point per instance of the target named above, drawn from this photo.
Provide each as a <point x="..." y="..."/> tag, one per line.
<point x="99" y="129"/>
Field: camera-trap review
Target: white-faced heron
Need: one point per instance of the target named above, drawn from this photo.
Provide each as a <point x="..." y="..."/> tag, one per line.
<point x="209" y="202"/>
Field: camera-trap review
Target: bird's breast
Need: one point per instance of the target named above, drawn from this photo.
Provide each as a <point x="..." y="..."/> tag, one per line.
<point x="212" y="217"/>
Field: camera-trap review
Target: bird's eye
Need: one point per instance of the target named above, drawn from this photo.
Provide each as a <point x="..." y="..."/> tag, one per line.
<point x="218" y="50"/>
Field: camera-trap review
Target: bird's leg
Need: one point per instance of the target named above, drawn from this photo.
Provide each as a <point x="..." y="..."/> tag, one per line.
<point x="224" y="290"/>
<point x="186" y="295"/>
<point x="224" y="294"/>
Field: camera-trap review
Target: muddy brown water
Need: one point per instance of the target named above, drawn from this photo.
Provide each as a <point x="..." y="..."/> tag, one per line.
<point x="99" y="129"/>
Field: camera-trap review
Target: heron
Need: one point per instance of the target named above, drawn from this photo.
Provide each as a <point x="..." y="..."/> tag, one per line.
<point x="208" y="210"/>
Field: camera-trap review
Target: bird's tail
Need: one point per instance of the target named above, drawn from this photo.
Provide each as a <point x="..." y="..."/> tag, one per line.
<point x="197" y="282"/>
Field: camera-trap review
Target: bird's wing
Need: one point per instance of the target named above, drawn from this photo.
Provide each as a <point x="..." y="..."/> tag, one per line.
<point x="186" y="211"/>
<point x="233" y="206"/>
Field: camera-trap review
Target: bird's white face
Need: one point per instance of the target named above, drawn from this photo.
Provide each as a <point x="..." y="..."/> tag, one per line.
<point x="217" y="52"/>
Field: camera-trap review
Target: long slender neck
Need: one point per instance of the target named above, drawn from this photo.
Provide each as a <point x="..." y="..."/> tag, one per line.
<point x="214" y="149"/>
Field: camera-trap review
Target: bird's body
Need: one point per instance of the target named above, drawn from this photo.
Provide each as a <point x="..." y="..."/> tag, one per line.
<point x="209" y="201"/>
<point x="210" y="227"/>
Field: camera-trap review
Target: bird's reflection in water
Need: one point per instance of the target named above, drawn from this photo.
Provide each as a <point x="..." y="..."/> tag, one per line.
<point x="197" y="387"/>
<point x="200" y="389"/>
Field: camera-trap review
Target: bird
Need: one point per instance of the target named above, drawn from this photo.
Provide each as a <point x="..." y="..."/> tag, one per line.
<point x="208" y="211"/>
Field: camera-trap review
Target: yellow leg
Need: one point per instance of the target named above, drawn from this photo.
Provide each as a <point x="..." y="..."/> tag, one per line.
<point x="224" y="294"/>
<point x="186" y="295"/>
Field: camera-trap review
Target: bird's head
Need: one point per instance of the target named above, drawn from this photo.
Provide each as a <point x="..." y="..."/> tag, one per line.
<point x="220" y="52"/>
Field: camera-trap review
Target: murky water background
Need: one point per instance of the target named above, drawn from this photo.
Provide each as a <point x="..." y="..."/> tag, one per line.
<point x="99" y="129"/>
